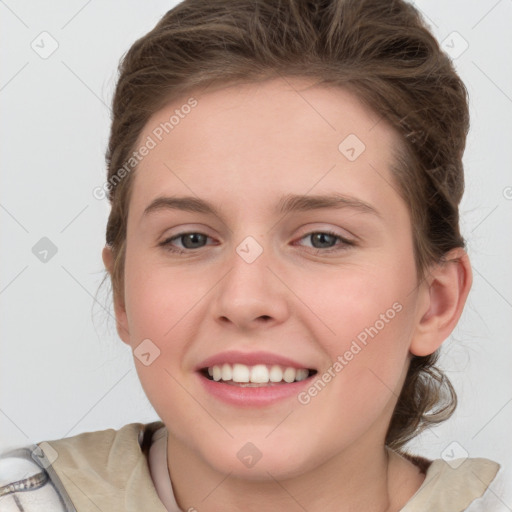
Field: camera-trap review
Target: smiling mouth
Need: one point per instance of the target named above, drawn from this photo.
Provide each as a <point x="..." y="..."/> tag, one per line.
<point x="256" y="376"/>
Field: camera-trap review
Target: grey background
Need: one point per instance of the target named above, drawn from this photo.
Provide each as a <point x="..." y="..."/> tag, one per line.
<point x="63" y="369"/>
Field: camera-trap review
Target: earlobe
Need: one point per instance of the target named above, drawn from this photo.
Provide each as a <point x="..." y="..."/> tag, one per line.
<point x="108" y="259"/>
<point x="119" y="306"/>
<point x="444" y="295"/>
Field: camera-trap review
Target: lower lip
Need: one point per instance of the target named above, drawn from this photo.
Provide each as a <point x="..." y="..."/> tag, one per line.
<point x="252" y="396"/>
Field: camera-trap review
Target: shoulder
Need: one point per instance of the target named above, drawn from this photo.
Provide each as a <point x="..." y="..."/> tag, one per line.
<point x="46" y="475"/>
<point x="453" y="485"/>
<point x="27" y="482"/>
<point x="96" y="448"/>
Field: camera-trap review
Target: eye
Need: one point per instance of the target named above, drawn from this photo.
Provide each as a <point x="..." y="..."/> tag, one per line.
<point x="189" y="240"/>
<point x="324" y="241"/>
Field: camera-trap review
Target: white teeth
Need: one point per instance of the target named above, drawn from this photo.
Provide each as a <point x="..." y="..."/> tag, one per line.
<point x="289" y="375"/>
<point x="276" y="374"/>
<point x="217" y="373"/>
<point x="258" y="374"/>
<point x="227" y="372"/>
<point x="240" y="373"/>
<point x="301" y="374"/>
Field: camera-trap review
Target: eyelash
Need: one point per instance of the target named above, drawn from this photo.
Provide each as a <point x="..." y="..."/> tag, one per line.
<point x="346" y="244"/>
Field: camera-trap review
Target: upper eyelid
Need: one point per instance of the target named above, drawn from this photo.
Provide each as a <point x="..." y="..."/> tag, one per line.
<point x="321" y="227"/>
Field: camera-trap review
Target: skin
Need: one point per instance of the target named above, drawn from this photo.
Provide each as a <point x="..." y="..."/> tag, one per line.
<point x="242" y="148"/>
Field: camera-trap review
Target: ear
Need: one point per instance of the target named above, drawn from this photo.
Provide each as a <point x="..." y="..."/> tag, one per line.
<point x="442" y="296"/>
<point x="119" y="306"/>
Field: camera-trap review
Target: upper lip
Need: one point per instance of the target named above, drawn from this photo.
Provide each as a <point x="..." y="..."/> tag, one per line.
<point x="250" y="359"/>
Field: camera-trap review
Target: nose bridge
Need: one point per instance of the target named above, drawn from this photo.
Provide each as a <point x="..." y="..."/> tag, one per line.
<point x="249" y="290"/>
<point x="249" y="275"/>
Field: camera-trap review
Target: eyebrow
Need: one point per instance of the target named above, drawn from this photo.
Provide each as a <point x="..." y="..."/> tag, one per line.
<point x="287" y="204"/>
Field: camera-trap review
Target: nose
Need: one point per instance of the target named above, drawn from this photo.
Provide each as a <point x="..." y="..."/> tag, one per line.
<point x="251" y="294"/>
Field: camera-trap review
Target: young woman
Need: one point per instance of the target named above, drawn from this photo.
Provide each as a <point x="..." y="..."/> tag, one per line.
<point x="286" y="262"/>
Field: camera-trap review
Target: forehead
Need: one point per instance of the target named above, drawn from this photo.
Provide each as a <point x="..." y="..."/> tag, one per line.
<point x="264" y="140"/>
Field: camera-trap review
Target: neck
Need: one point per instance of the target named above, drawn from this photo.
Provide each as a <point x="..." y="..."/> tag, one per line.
<point x="362" y="479"/>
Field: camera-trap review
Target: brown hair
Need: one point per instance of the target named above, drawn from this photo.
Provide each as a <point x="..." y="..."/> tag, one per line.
<point x="382" y="51"/>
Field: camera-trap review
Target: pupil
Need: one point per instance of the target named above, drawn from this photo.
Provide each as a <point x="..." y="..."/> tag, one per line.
<point x="191" y="237"/>
<point x="321" y="236"/>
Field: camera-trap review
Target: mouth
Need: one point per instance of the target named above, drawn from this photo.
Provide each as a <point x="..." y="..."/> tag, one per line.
<point x="257" y="379"/>
<point x="259" y="375"/>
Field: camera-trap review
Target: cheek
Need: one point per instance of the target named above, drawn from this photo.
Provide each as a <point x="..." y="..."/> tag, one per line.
<point x="363" y="382"/>
<point x="364" y="319"/>
<point x="371" y="362"/>
<point x="356" y="302"/>
<point x="156" y="300"/>
<point x="160" y="306"/>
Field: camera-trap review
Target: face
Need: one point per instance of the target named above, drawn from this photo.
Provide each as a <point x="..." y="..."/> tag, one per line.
<point x="266" y="282"/>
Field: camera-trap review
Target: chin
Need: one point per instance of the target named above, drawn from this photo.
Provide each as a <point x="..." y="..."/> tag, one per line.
<point x="259" y="460"/>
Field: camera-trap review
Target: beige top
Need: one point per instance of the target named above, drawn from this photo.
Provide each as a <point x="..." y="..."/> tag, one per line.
<point x="111" y="470"/>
